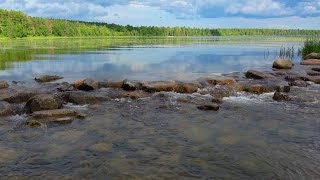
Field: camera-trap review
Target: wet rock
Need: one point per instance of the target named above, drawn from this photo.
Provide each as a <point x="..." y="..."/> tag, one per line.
<point x="210" y="107"/>
<point x="183" y="100"/>
<point x="81" y="116"/>
<point x="66" y="87"/>
<point x="313" y="73"/>
<point x="86" y="85"/>
<point x="43" y="102"/>
<point x="86" y="98"/>
<point x="282" y="64"/>
<point x="311" y="62"/>
<point x="298" y="83"/>
<point x="159" y="86"/>
<point x="65" y="120"/>
<point x="129" y="86"/>
<point x="217" y="100"/>
<point x="56" y="113"/>
<point x="5" y="109"/>
<point x="4" y="85"/>
<point x="237" y="87"/>
<point x="315" y="80"/>
<point x="20" y="96"/>
<point x="33" y="123"/>
<point x="187" y="88"/>
<point x="220" y="81"/>
<point x="313" y="56"/>
<point x="253" y="74"/>
<point x="134" y="94"/>
<point x="257" y="89"/>
<point x="285" y="89"/>
<point x="110" y="84"/>
<point x="278" y="96"/>
<point x="47" y="78"/>
<point x="316" y="69"/>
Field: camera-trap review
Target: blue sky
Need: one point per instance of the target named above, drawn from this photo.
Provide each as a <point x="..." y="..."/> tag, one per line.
<point x="192" y="13"/>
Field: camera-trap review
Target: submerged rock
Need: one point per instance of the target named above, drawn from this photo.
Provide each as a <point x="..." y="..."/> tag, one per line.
<point x="220" y="80"/>
<point x="313" y="73"/>
<point x="65" y="120"/>
<point x="134" y="94"/>
<point x="257" y="89"/>
<point x="47" y="78"/>
<point x="4" y="84"/>
<point x="311" y="62"/>
<point x="33" y="123"/>
<point x="5" y="109"/>
<point x="85" y="98"/>
<point x="278" y="96"/>
<point x="282" y="64"/>
<point x="315" y="80"/>
<point x="298" y="83"/>
<point x="253" y="74"/>
<point x="316" y="69"/>
<point x="65" y="86"/>
<point x="209" y="107"/>
<point x="86" y="85"/>
<point x="43" y="102"/>
<point x="56" y="113"/>
<point x="313" y="56"/>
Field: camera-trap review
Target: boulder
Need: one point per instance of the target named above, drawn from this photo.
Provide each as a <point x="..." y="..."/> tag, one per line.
<point x="312" y="56"/>
<point x="47" y="78"/>
<point x="5" y="109"/>
<point x="313" y="73"/>
<point x="56" y="113"/>
<point x="4" y="85"/>
<point x="298" y="83"/>
<point x="220" y="80"/>
<point x="20" y="96"/>
<point x="65" y="86"/>
<point x="278" y="96"/>
<point x="282" y="64"/>
<point x="111" y="84"/>
<point x="285" y="89"/>
<point x="134" y="94"/>
<point x="253" y="74"/>
<point x="257" y="89"/>
<point x="315" y="80"/>
<point x="43" y="102"/>
<point x="209" y="107"/>
<point x="159" y="86"/>
<point x="316" y="69"/>
<point x="311" y="62"/>
<point x="187" y="88"/>
<point x="129" y="86"/>
<point x="86" y="85"/>
<point x="86" y="98"/>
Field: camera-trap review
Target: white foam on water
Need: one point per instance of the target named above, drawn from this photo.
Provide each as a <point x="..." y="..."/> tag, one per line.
<point x="246" y="98"/>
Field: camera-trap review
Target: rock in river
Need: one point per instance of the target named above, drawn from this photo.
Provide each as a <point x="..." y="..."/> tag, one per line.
<point x="209" y="107"/>
<point x="282" y="64"/>
<point x="56" y="113"/>
<point x="316" y="69"/>
<point x="43" y="102"/>
<point x="253" y="74"/>
<point x="5" y="109"/>
<point x="86" y="98"/>
<point x="313" y="73"/>
<point x="4" y="85"/>
<point x="47" y="78"/>
<point x="313" y="56"/>
<point x="257" y="89"/>
<point x="278" y="96"/>
<point x="19" y="96"/>
<point x="86" y="85"/>
<point x="158" y="86"/>
<point x="312" y="62"/>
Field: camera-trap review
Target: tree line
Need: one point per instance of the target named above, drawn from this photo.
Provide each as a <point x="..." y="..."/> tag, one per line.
<point x="15" y="24"/>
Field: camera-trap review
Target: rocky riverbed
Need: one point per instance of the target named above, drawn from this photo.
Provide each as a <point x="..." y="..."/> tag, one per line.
<point x="181" y="129"/>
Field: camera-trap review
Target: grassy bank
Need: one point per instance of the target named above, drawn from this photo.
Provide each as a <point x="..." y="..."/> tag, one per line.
<point x="311" y="45"/>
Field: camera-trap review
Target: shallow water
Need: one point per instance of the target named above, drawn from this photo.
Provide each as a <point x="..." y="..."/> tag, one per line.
<point x="250" y="137"/>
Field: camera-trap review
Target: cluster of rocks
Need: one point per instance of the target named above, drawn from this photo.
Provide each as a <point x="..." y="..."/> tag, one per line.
<point x="312" y="59"/>
<point x="48" y="105"/>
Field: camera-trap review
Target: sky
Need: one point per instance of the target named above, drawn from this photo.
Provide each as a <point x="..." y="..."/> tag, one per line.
<point x="283" y="14"/>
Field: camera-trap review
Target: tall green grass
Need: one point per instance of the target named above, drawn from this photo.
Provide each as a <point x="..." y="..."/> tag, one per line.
<point x="311" y="45"/>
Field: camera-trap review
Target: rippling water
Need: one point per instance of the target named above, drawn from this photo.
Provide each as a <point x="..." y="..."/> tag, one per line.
<point x="251" y="137"/>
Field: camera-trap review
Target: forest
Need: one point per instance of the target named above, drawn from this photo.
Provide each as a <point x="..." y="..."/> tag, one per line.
<point x="15" y="24"/>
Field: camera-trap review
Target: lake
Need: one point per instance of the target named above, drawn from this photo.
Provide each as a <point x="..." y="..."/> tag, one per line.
<point x="138" y="59"/>
<point x="161" y="136"/>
